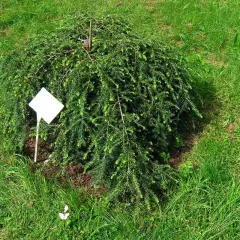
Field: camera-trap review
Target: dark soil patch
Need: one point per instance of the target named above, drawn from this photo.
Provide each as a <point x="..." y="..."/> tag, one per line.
<point x="71" y="175"/>
<point x="176" y="155"/>
<point x="44" y="149"/>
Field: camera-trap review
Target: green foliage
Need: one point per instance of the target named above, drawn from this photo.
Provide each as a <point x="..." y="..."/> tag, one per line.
<point x="123" y="101"/>
<point x="186" y="169"/>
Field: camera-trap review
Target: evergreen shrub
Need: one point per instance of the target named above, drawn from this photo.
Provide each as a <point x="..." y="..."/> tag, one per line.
<point x="123" y="102"/>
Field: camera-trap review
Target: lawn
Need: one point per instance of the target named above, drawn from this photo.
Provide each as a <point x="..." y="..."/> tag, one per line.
<point x="205" y="204"/>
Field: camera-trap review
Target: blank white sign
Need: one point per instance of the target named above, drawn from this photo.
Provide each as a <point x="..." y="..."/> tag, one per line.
<point x="46" y="105"/>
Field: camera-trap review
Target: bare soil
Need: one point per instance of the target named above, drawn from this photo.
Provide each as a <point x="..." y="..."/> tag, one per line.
<point x="73" y="174"/>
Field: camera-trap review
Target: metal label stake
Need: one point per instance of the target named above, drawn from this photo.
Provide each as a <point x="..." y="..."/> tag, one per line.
<point x="47" y="108"/>
<point x="36" y="142"/>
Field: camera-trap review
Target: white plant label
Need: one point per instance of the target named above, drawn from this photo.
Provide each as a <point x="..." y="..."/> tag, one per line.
<point x="47" y="107"/>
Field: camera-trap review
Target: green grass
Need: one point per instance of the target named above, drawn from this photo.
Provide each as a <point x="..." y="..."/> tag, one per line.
<point x="206" y="203"/>
<point x="21" y="19"/>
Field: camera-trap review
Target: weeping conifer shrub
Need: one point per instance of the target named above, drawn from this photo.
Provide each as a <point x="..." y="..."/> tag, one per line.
<point x="123" y="102"/>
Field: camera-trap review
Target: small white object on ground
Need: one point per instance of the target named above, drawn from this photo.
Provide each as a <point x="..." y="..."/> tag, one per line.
<point x="66" y="208"/>
<point x="65" y="215"/>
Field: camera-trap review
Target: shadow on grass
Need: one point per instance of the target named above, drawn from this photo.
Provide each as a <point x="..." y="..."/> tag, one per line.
<point x="190" y="127"/>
